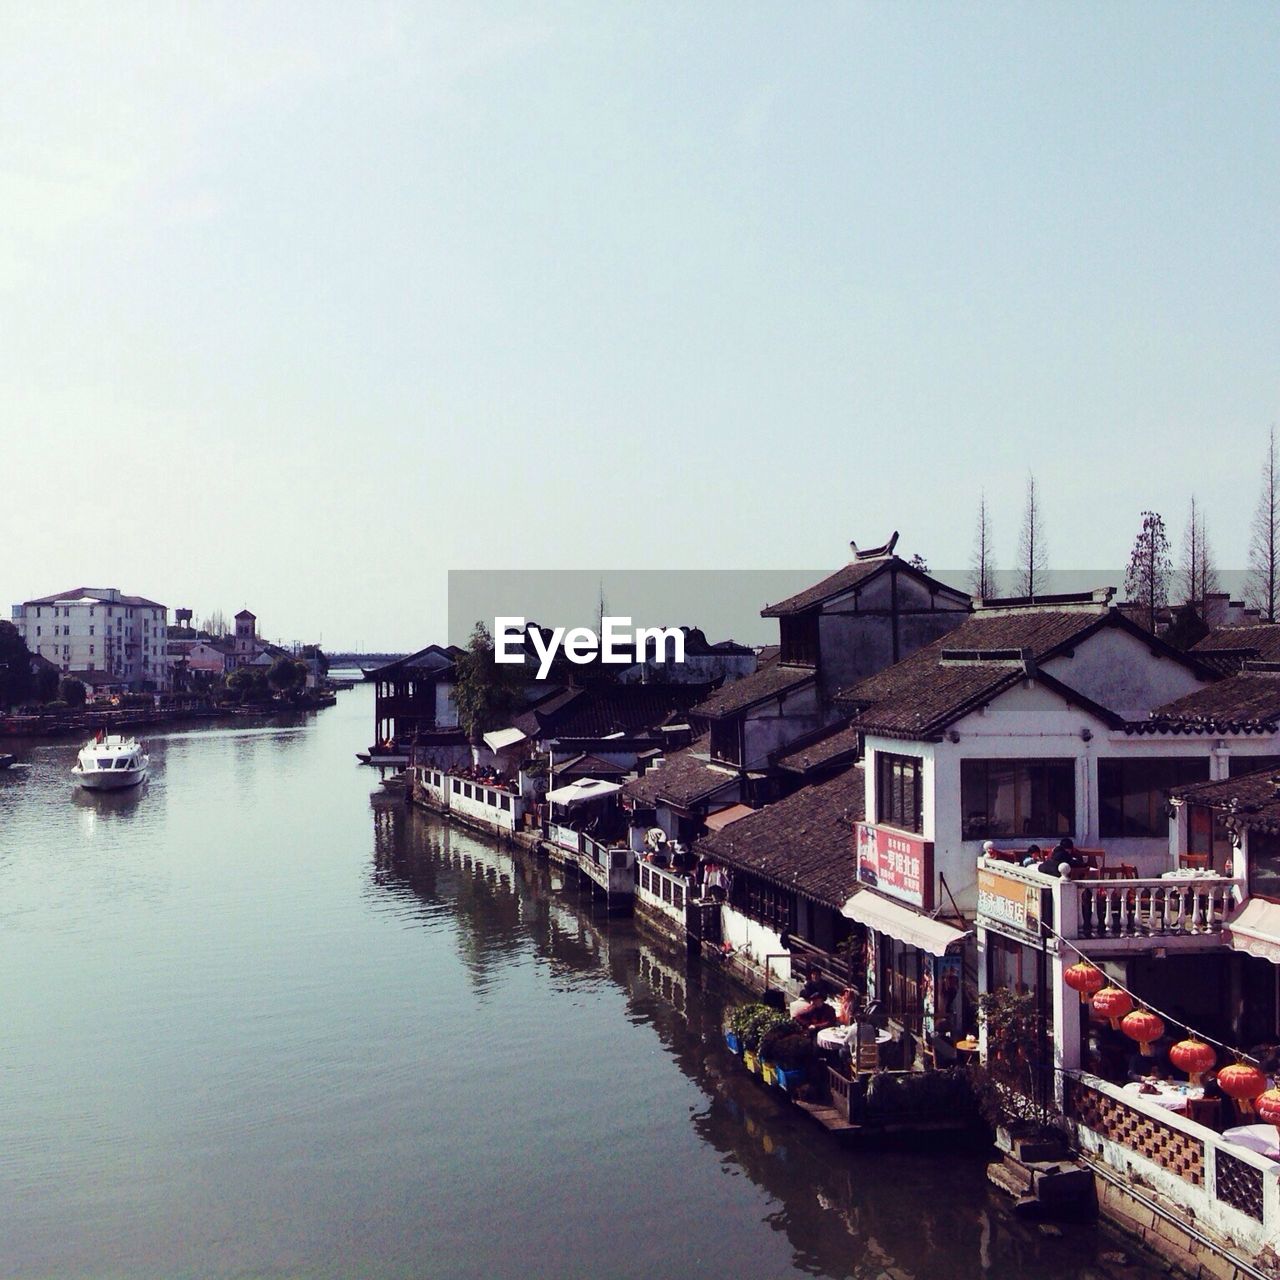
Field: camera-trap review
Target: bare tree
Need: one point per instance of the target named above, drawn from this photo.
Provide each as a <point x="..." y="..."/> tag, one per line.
<point x="216" y="624"/>
<point x="1147" y="581"/>
<point x="1033" y="554"/>
<point x="982" y="574"/>
<point x="1262" y="587"/>
<point x="1198" y="579"/>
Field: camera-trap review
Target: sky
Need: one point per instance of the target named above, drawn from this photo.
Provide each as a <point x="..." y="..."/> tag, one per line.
<point x="305" y="305"/>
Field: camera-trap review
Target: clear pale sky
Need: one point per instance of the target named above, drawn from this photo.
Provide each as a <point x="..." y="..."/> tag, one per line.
<point x="304" y="305"/>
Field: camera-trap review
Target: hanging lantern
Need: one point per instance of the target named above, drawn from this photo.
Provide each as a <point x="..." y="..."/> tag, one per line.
<point x="1243" y="1082"/>
<point x="1085" y="979"/>
<point x="1194" y="1057"/>
<point x="1143" y="1026"/>
<point x="1268" y="1105"/>
<point x="1112" y="1003"/>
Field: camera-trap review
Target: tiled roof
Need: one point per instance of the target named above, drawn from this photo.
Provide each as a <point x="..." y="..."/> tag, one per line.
<point x="589" y="766"/>
<point x="682" y="779"/>
<point x="1253" y="799"/>
<point x="921" y="695"/>
<point x="1228" y="648"/>
<point x="767" y="681"/>
<point x="832" y="585"/>
<point x="1238" y="703"/>
<point x="827" y="747"/>
<point x="804" y="842"/>
<point x="95" y="593"/>
<point x="606" y="709"/>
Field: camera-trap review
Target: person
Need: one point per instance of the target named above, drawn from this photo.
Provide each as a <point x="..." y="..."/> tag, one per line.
<point x="1062" y="860"/>
<point x="816" y="1015"/>
<point x="817" y="987"/>
<point x="1032" y="855"/>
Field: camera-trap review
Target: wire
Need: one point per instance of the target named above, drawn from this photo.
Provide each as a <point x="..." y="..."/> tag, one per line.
<point x="1168" y="1018"/>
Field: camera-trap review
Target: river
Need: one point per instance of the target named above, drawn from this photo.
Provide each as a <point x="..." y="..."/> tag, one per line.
<point x="260" y="1020"/>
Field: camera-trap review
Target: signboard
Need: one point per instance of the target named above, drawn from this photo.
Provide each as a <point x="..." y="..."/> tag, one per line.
<point x="900" y="866"/>
<point x="1005" y="902"/>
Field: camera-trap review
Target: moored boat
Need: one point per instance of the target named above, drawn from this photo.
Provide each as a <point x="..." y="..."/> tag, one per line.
<point x="110" y="762"/>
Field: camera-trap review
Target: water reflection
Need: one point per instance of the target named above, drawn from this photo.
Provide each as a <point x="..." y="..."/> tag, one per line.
<point x="844" y="1212"/>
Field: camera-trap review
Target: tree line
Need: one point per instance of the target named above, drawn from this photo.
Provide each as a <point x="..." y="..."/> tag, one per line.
<point x="1151" y="581"/>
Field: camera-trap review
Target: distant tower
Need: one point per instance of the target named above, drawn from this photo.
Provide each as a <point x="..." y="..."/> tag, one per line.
<point x="246" y="629"/>
<point x="182" y="617"/>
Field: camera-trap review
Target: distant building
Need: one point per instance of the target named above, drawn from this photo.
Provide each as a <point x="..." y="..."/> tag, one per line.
<point x="99" y="629"/>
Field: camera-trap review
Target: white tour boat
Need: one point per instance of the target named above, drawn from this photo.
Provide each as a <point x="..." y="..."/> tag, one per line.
<point x="111" y="762"/>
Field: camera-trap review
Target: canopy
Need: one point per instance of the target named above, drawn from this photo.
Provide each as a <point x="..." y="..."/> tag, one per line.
<point x="1256" y="930"/>
<point x="582" y="790"/>
<point x="903" y="923"/>
<point x="718" y="821"/>
<point x="497" y="739"/>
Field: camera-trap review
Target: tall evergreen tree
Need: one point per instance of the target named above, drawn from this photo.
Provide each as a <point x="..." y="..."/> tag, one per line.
<point x="982" y="575"/>
<point x="1033" y="553"/>
<point x="487" y="692"/>
<point x="1262" y="586"/>
<point x="1150" y="569"/>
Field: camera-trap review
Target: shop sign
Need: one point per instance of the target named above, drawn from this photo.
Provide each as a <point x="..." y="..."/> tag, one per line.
<point x="1004" y="900"/>
<point x="900" y="866"/>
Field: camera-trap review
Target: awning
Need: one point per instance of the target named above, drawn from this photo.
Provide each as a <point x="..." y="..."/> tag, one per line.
<point x="718" y="821"/>
<point x="582" y="790"/>
<point x="497" y="739"/>
<point x="1256" y="930"/>
<point x="901" y="922"/>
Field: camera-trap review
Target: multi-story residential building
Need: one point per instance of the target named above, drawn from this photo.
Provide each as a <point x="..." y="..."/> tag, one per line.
<point x="99" y="630"/>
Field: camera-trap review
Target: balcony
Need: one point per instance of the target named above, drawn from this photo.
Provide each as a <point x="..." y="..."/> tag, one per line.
<point x="1187" y="911"/>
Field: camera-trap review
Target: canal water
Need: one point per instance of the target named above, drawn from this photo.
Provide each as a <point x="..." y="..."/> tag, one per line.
<point x="260" y="1020"/>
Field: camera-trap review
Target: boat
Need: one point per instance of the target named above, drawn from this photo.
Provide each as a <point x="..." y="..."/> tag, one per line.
<point x="110" y="762"/>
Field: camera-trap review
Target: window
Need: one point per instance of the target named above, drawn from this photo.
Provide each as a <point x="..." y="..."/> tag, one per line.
<point x="1206" y="834"/>
<point x="1132" y="794"/>
<point x="1264" y="865"/>
<point x="900" y="791"/>
<point x="1016" y="798"/>
<point x="725" y="741"/>
<point x="799" y="636"/>
<point x="91" y="630"/>
<point x="1236" y="765"/>
<point x="762" y="902"/>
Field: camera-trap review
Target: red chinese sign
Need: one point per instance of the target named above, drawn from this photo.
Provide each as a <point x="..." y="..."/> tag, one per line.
<point x="896" y="864"/>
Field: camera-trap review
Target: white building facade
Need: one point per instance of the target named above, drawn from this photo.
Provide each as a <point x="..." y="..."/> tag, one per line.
<point x="99" y="630"/>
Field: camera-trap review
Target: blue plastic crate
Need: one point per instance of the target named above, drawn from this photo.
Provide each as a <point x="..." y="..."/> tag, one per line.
<point x="790" y="1079"/>
<point x="731" y="1039"/>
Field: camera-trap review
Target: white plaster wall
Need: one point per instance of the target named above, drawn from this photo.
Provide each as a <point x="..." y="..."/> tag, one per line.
<point x="770" y="725"/>
<point x="758" y="938"/>
<point x="1121" y="672"/>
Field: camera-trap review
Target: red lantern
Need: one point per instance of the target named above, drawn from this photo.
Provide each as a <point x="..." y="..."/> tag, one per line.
<point x="1268" y="1105"/>
<point x="1085" y="979"/>
<point x="1143" y="1026"/>
<point x="1112" y="1003"/>
<point x="1194" y="1057"/>
<point x="1243" y="1082"/>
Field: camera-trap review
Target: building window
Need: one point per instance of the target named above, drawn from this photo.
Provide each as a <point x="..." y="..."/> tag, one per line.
<point x="725" y="741"/>
<point x="1236" y="765"/>
<point x="799" y="637"/>
<point x="900" y="791"/>
<point x="1133" y="794"/>
<point x="763" y="902"/>
<point x="1207" y="835"/>
<point x="1264" y="865"/>
<point x="1016" y="798"/>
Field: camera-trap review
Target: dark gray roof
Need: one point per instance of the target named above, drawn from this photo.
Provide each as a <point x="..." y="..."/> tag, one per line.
<point x="1251" y="799"/>
<point x="769" y="680"/>
<point x="803" y="843"/>
<point x="1240" y="703"/>
<point x="683" y="779"/>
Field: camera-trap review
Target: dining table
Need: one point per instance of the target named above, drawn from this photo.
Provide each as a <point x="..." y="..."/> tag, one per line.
<point x="1262" y="1138"/>
<point x="1172" y="1095"/>
<point x="842" y="1037"/>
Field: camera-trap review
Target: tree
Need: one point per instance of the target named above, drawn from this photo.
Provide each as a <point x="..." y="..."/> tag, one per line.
<point x="486" y="691"/>
<point x="249" y="684"/>
<point x="918" y="561"/>
<point x="287" y="675"/>
<point x="72" y="692"/>
<point x="1033" y="553"/>
<point x="15" y="666"/>
<point x="1146" y="582"/>
<point x="1198" y="578"/>
<point x="982" y="575"/>
<point x="216" y="624"/>
<point x="1262" y="586"/>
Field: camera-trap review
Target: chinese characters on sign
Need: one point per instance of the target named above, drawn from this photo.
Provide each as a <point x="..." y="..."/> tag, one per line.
<point x="898" y="865"/>
<point x="1008" y="901"/>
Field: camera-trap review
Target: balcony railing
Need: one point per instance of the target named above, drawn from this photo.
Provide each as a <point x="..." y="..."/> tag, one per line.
<point x="1164" y="907"/>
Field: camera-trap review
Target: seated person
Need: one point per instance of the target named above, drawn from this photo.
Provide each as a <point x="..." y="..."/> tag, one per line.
<point x="1063" y="860"/>
<point x="816" y="1015"/>
<point x="817" y="987"/>
<point x="1229" y="1113"/>
<point x="1033" y="856"/>
<point x="1142" y="1068"/>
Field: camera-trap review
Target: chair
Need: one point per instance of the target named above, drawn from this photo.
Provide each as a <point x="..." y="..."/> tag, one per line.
<point x="1205" y="1111"/>
<point x="1109" y="873"/>
<point x="1194" y="861"/>
<point x="1096" y="858"/>
<point x="1128" y="872"/>
<point x="866" y="1057"/>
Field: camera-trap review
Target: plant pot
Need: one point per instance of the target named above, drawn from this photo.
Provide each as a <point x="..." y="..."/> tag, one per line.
<point x="731" y="1039"/>
<point x="751" y="1062"/>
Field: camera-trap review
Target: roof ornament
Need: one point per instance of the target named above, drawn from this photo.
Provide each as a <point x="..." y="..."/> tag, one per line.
<point x="874" y="553"/>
